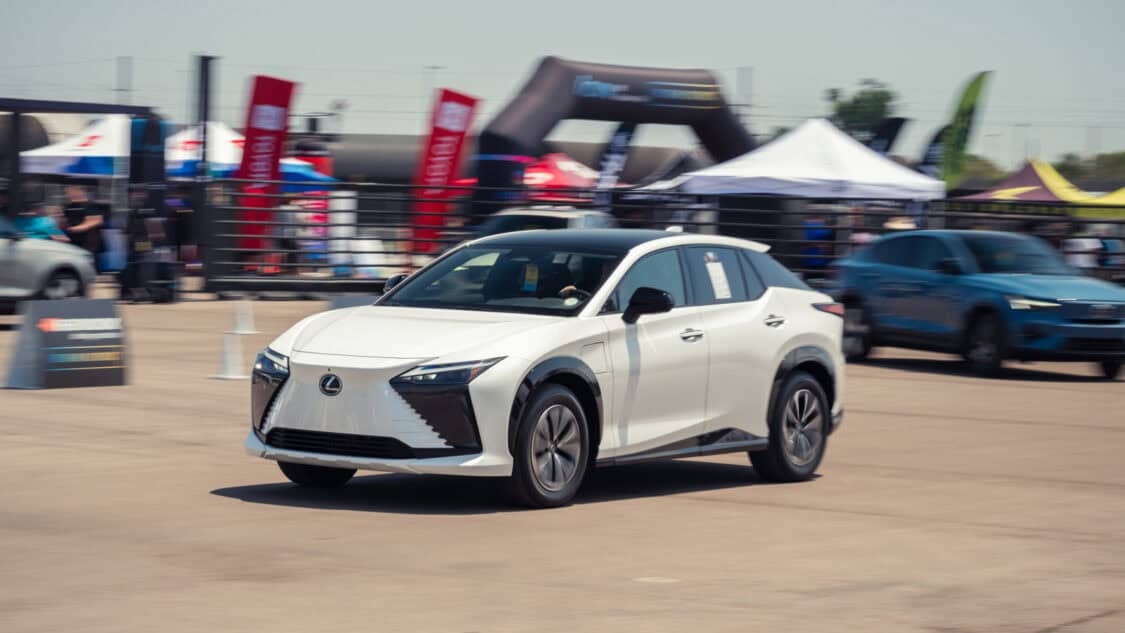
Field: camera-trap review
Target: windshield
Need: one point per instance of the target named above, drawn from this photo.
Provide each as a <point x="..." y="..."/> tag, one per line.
<point x="1016" y="254"/>
<point x="508" y="223"/>
<point x="511" y="279"/>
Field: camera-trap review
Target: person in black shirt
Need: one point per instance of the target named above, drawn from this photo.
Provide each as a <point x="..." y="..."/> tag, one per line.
<point x="83" y="219"/>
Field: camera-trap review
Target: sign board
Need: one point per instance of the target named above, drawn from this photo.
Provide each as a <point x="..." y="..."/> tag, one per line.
<point x="438" y="165"/>
<point x="68" y="343"/>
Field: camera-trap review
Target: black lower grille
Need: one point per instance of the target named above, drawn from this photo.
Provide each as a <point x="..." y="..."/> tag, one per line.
<point x="350" y="445"/>
<point x="1095" y="345"/>
<point x="339" y="444"/>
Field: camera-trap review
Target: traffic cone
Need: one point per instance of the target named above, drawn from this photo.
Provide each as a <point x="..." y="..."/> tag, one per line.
<point x="243" y="318"/>
<point x="230" y="365"/>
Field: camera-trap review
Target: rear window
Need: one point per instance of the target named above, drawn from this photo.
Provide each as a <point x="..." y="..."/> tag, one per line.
<point x="772" y="273"/>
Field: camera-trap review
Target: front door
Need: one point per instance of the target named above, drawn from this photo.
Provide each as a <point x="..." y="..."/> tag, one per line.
<point x="659" y="363"/>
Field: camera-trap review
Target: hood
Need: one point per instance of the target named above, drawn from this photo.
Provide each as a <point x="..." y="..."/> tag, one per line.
<point x="415" y="333"/>
<point x="1053" y="287"/>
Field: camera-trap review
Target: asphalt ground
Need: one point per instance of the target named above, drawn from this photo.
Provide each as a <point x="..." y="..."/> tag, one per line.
<point x="946" y="503"/>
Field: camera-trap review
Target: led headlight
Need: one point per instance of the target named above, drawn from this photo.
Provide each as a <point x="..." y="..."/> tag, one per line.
<point x="1023" y="303"/>
<point x="272" y="362"/>
<point x="447" y="374"/>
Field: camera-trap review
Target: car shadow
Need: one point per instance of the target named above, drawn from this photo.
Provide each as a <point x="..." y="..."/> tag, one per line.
<point x="957" y="367"/>
<point x="442" y="495"/>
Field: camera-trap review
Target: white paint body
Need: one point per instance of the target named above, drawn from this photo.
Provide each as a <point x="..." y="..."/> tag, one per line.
<point x="656" y="387"/>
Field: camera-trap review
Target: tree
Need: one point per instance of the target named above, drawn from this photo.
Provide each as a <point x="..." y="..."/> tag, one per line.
<point x="860" y="113"/>
<point x="1072" y="166"/>
<point x="1107" y="167"/>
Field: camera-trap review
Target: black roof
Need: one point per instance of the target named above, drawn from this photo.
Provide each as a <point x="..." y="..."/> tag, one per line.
<point x="612" y="240"/>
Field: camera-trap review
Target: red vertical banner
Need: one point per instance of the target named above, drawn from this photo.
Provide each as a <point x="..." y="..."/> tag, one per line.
<point x="267" y="125"/>
<point x="438" y="165"/>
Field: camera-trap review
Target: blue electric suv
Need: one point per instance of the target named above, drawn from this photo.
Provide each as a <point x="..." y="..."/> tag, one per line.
<point x="988" y="296"/>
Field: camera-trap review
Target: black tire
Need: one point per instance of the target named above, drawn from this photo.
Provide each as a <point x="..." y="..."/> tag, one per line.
<point x="1111" y="369"/>
<point x="532" y="487"/>
<point x="984" y="344"/>
<point x="857" y="332"/>
<point x="63" y="281"/>
<point x="316" y="476"/>
<point x="784" y="461"/>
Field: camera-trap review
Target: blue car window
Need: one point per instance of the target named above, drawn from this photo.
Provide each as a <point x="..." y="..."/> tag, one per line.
<point x="1019" y="254"/>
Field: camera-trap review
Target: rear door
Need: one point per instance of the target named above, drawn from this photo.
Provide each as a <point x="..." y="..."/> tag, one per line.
<point x="930" y="297"/>
<point x="744" y="326"/>
<point x="893" y="286"/>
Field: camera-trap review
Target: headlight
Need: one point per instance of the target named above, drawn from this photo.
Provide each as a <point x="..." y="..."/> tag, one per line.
<point x="272" y="362"/>
<point x="447" y="374"/>
<point x="1023" y="303"/>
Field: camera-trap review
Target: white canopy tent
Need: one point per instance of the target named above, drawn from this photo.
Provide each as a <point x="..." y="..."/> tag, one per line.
<point x="101" y="150"/>
<point x="182" y="151"/>
<point x="815" y="160"/>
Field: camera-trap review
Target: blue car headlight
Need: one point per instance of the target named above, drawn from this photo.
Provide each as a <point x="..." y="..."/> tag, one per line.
<point x="1024" y="303"/>
<point x="446" y="374"/>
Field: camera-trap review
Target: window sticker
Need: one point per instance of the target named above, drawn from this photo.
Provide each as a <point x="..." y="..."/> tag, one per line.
<point x="530" y="278"/>
<point x="719" y="284"/>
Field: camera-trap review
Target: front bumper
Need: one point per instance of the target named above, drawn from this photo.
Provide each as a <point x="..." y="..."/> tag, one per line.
<point x="1040" y="339"/>
<point x="477" y="465"/>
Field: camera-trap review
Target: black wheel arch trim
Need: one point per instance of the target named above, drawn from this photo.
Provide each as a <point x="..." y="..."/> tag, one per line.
<point x="796" y="357"/>
<point x="543" y="373"/>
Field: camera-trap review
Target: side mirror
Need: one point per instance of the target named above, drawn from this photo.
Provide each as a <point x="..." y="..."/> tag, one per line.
<point x="394" y="280"/>
<point x="647" y="300"/>
<point x="949" y="266"/>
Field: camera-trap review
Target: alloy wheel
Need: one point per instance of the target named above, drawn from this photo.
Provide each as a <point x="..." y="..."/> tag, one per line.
<point x="556" y="448"/>
<point x="61" y="286"/>
<point x="804" y="428"/>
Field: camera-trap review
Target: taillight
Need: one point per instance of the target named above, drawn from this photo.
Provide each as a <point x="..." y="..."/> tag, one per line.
<point x="831" y="308"/>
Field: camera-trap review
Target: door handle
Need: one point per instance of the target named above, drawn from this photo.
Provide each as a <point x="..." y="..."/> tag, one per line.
<point x="690" y="335"/>
<point x="774" y="321"/>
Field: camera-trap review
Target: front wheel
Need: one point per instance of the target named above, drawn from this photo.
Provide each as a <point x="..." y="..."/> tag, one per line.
<point x="552" y="449"/>
<point x="798" y="432"/>
<point x="1111" y="369"/>
<point x="62" y="284"/>
<point x="857" y="332"/>
<point x="316" y="476"/>
<point x="984" y="345"/>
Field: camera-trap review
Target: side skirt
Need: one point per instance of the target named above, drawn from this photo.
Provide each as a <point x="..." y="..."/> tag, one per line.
<point x="714" y="443"/>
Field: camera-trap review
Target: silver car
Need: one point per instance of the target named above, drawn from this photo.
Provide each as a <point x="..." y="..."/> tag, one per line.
<point x="40" y="269"/>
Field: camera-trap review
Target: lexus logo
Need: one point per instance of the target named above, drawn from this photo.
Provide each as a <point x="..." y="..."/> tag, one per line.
<point x="331" y="385"/>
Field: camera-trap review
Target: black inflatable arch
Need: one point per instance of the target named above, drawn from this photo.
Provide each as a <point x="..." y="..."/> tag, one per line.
<point x="560" y="89"/>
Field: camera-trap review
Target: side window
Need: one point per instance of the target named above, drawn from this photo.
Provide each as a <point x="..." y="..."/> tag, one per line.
<point x="716" y="275"/>
<point x="658" y="270"/>
<point x="594" y="221"/>
<point x="897" y="251"/>
<point x="927" y="252"/>
<point x="773" y="273"/>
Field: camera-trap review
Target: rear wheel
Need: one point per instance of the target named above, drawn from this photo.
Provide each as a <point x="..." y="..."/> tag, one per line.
<point x="1111" y="369"/>
<point x="798" y="432"/>
<point x="857" y="332"/>
<point x="984" y="345"/>
<point x="316" y="476"/>
<point x="552" y="449"/>
<point x="62" y="284"/>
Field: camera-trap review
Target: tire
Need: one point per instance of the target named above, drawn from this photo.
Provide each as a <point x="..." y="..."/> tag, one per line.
<point x="552" y="450"/>
<point x="62" y="284"/>
<point x="984" y="345"/>
<point x="1111" y="369"/>
<point x="857" y="332"/>
<point x="316" y="476"/>
<point x="798" y="426"/>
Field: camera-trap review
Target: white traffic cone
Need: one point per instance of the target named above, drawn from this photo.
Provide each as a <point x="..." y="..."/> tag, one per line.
<point x="243" y="318"/>
<point x="230" y="365"/>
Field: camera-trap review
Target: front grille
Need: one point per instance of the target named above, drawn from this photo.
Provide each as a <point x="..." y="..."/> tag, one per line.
<point x="1095" y="345"/>
<point x="338" y="444"/>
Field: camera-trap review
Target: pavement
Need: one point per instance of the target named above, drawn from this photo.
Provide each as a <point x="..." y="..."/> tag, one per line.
<point x="945" y="503"/>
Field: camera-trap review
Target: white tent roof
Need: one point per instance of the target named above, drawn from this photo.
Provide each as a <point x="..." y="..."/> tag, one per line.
<point x="224" y="147"/>
<point x="815" y="160"/>
<point x="92" y="152"/>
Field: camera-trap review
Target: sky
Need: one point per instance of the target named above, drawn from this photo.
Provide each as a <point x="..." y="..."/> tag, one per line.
<point x="1056" y="88"/>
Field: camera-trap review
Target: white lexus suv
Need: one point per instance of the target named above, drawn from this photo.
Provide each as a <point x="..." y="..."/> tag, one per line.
<point x="539" y="355"/>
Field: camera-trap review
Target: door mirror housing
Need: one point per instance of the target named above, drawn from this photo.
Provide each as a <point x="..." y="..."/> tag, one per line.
<point x="949" y="266"/>
<point x="647" y="300"/>
<point x="394" y="280"/>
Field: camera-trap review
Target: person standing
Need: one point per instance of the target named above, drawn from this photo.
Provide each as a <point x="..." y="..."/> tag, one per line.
<point x="83" y="219"/>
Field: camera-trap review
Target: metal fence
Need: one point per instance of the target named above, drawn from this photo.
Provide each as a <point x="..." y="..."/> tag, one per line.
<point x="348" y="237"/>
